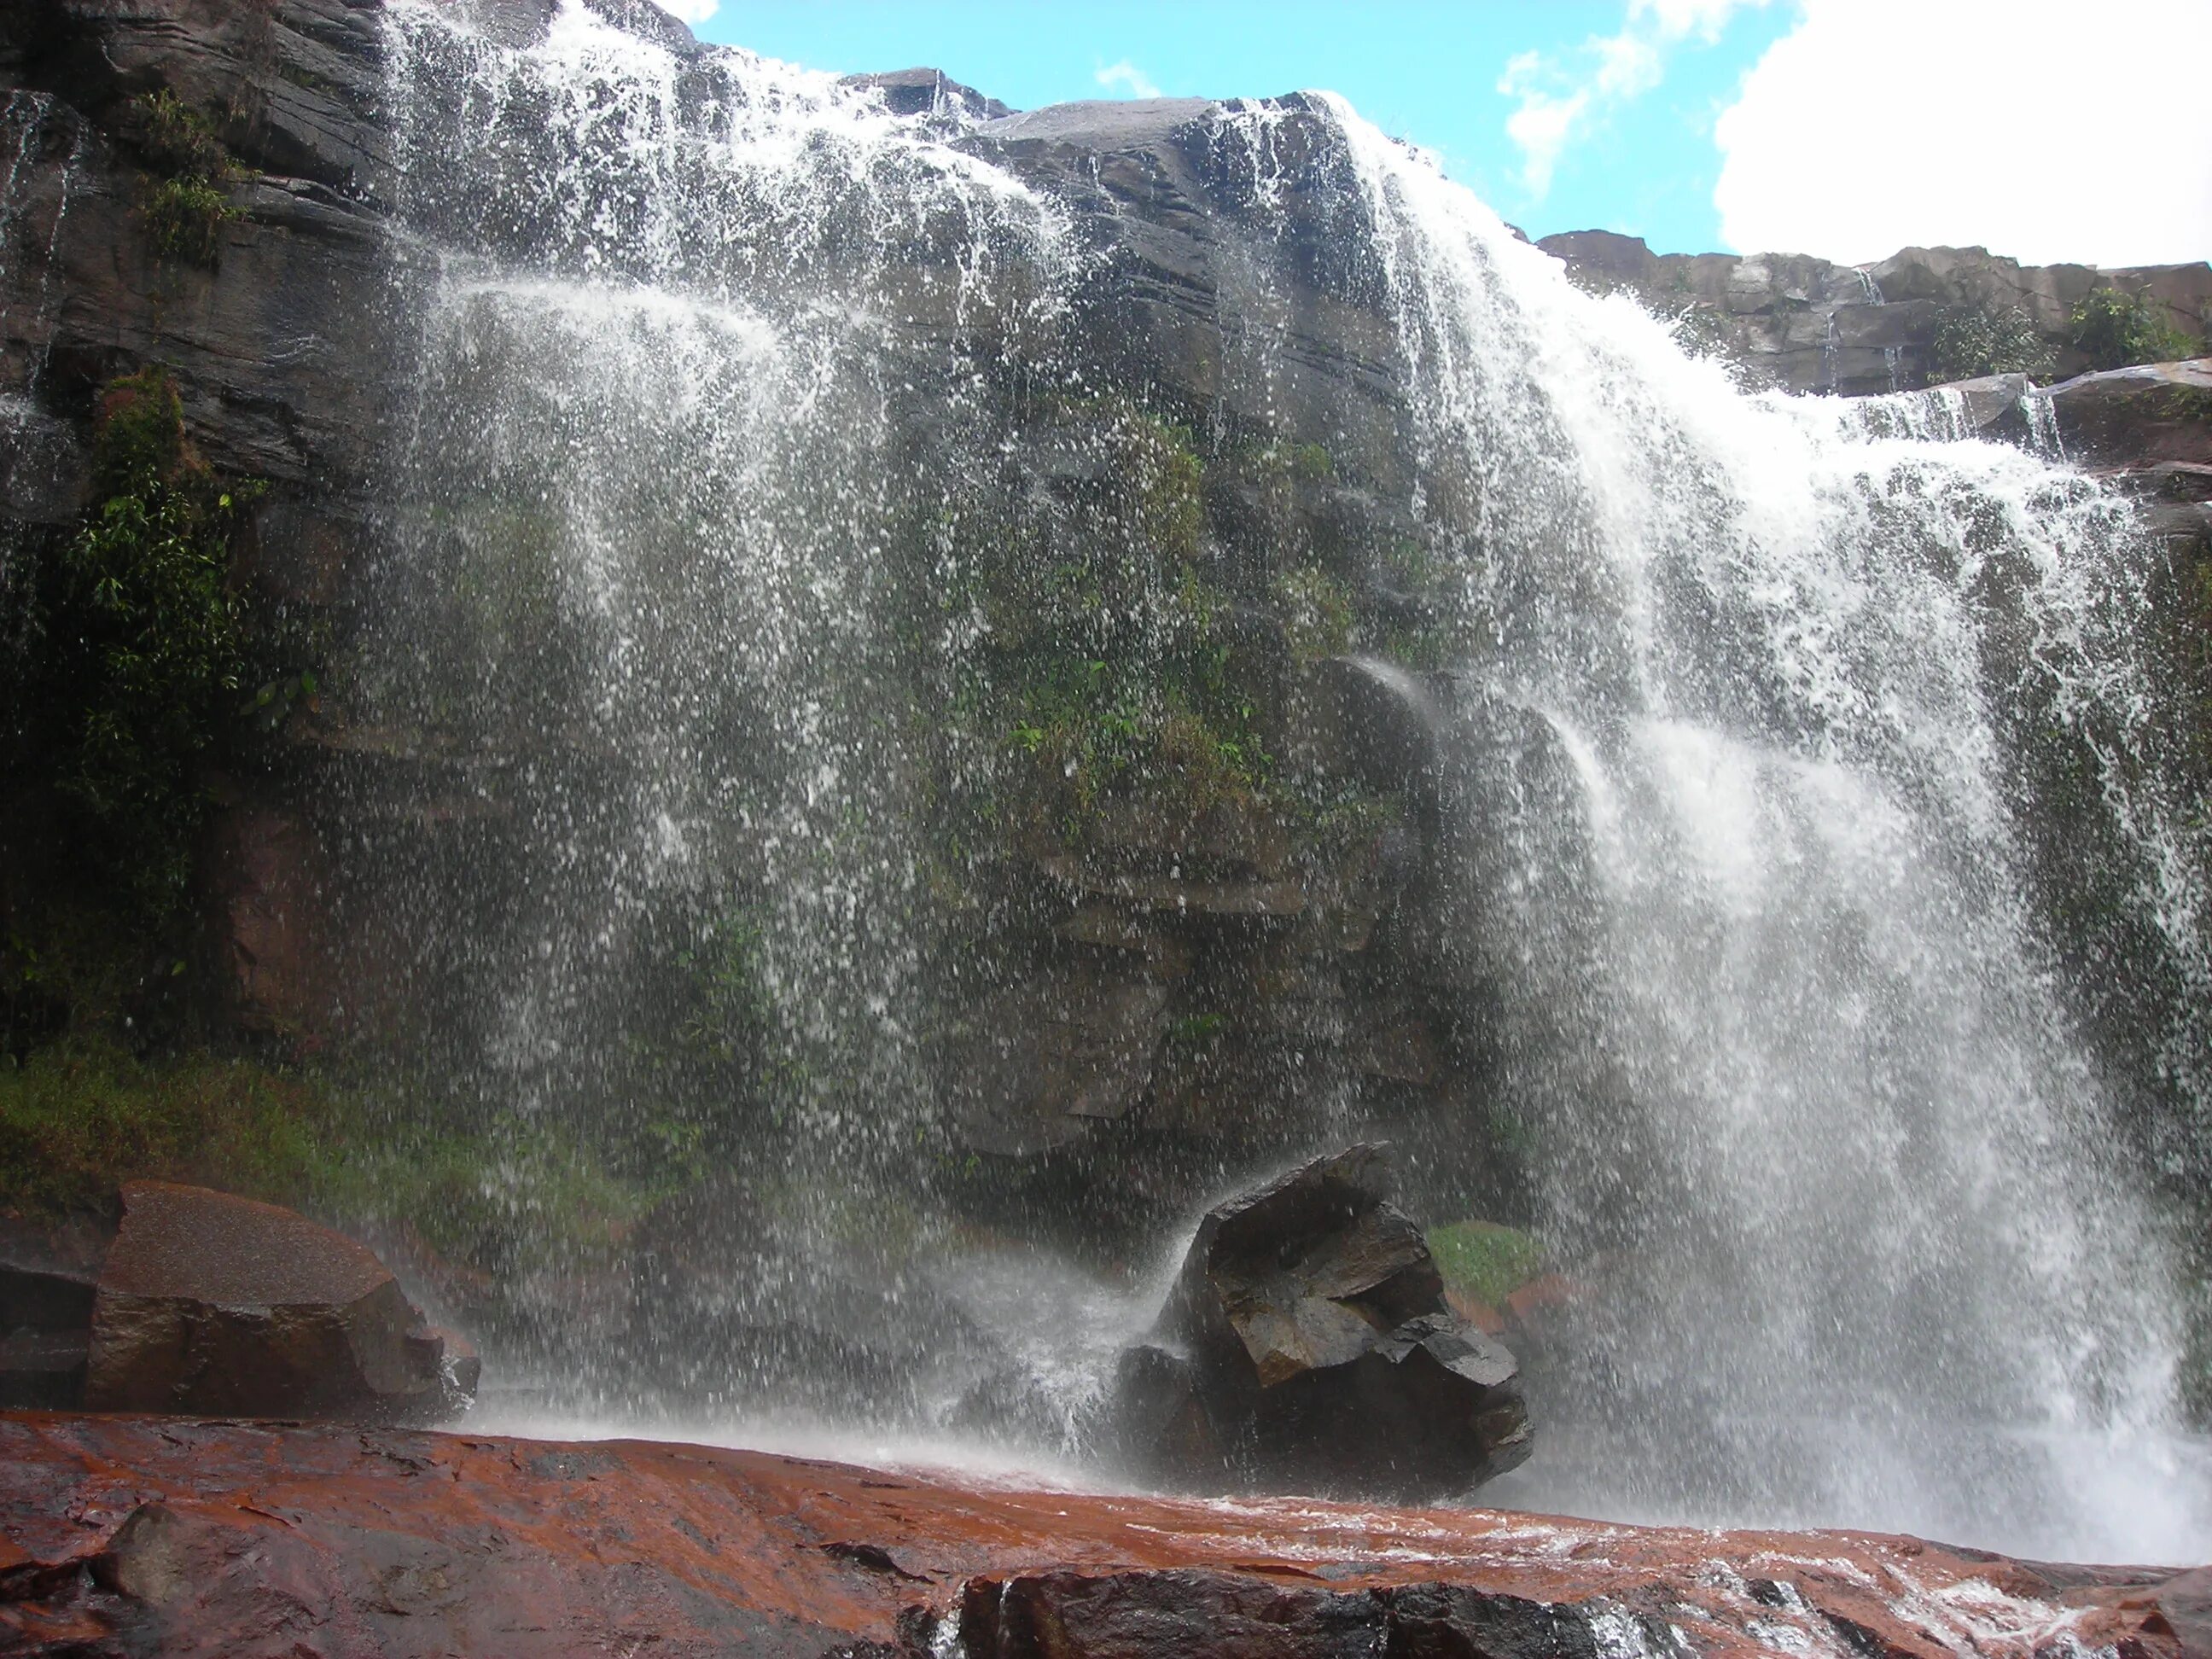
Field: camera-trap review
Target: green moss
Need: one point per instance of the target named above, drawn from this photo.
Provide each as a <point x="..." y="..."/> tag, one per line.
<point x="1312" y="463"/>
<point x="1484" y="1262"/>
<point x="1193" y="1029"/>
<point x="1317" y="613"/>
<point x="2115" y="329"/>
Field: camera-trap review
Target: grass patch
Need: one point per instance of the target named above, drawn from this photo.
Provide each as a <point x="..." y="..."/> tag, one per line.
<point x="83" y="1114"/>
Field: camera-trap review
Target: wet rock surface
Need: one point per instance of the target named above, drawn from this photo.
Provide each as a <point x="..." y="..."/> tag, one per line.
<point x="1308" y="1346"/>
<point x="211" y="1303"/>
<point x="130" y="1535"/>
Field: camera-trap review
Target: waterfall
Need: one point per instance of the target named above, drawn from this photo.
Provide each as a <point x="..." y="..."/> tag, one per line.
<point x="640" y="622"/>
<point x="1806" y="1088"/>
<point x="1751" y="748"/>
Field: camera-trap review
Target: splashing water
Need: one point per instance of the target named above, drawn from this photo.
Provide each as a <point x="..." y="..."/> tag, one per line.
<point x="1809" y="1096"/>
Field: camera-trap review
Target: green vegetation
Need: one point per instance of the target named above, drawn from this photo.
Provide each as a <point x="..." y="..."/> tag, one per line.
<point x="1484" y="1262"/>
<point x="1192" y="1029"/>
<point x="1111" y="670"/>
<point x="186" y="200"/>
<point x="2115" y="329"/>
<point x="150" y="643"/>
<point x="82" y="1113"/>
<point x="1974" y="340"/>
<point x="1317" y="613"/>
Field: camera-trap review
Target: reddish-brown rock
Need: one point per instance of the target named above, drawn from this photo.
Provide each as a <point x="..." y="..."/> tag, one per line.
<point x="140" y="1535"/>
<point x="212" y="1302"/>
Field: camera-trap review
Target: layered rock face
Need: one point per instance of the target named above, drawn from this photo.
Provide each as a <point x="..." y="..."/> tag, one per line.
<point x="1805" y="324"/>
<point x="1177" y="981"/>
<point x="122" y="1535"/>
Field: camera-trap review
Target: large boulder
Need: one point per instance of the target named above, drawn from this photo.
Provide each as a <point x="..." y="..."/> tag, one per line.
<point x="1307" y="1346"/>
<point x="211" y="1303"/>
<point x="48" y="1278"/>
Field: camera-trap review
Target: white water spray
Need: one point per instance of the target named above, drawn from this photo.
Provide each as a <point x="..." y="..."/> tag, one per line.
<point x="1809" y="1097"/>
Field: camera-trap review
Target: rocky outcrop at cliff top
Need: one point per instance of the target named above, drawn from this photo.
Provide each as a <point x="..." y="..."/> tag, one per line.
<point x="1307" y="1347"/>
<point x="1808" y="324"/>
<point x="130" y="1535"/>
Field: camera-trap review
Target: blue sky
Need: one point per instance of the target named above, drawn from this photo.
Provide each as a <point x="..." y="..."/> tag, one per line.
<point x="1645" y="164"/>
<point x="1843" y="128"/>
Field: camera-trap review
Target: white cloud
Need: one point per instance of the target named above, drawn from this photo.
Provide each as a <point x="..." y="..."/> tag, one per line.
<point x="694" y="12"/>
<point x="1561" y="96"/>
<point x="1133" y="82"/>
<point x="2034" y="127"/>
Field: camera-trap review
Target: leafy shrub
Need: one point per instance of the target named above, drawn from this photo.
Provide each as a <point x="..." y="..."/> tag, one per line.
<point x="178" y="141"/>
<point x="186" y="199"/>
<point x="2114" y="329"/>
<point x="151" y="639"/>
<point x="184" y="218"/>
<point x="1973" y="340"/>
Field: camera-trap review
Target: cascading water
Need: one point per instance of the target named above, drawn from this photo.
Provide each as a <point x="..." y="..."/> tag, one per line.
<point x="640" y="605"/>
<point x="1749" y="704"/>
<point x="1804" y="1080"/>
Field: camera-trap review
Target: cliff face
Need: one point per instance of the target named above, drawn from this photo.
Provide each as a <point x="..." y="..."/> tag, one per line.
<point x="1119" y="798"/>
<point x="288" y="349"/>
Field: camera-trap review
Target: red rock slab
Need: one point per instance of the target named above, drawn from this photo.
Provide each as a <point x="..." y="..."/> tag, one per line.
<point x="184" y="1536"/>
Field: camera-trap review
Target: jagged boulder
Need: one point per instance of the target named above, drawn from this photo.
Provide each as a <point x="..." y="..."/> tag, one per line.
<point x="1307" y="1346"/>
<point x="213" y="1303"/>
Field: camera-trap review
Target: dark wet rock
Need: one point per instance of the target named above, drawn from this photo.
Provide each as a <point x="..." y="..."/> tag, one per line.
<point x="2152" y="414"/>
<point x="1039" y="1062"/>
<point x="1307" y="1346"/>
<point x="211" y="1303"/>
<point x="48" y="1278"/>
